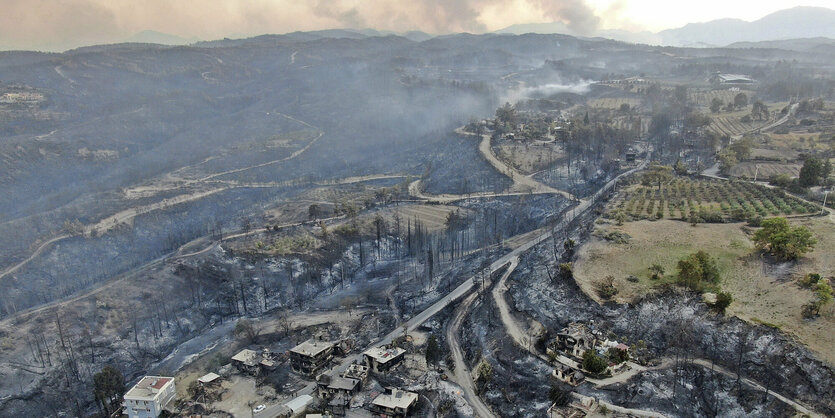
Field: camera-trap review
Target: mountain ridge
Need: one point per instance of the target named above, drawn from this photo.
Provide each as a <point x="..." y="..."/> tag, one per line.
<point x="793" y="23"/>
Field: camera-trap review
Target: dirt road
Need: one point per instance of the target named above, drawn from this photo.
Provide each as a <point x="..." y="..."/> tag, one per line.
<point x="462" y="374"/>
<point x="36" y="253"/>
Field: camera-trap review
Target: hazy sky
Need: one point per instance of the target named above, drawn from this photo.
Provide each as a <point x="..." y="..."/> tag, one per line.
<point x="61" y="24"/>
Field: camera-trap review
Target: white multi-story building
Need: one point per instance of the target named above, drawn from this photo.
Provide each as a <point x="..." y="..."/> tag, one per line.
<point x="149" y="397"/>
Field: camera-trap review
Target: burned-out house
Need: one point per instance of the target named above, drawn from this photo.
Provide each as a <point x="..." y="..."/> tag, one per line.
<point x="383" y="359"/>
<point x="253" y="362"/>
<point x="569" y="375"/>
<point x="338" y="391"/>
<point x="574" y="340"/>
<point x="311" y="356"/>
<point x="356" y="371"/>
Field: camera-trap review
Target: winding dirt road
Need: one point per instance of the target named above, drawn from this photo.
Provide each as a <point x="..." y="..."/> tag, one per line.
<point x="462" y="375"/>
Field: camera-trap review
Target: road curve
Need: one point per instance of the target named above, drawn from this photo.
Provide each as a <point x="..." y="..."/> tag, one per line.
<point x="36" y="253"/>
<point x="461" y="373"/>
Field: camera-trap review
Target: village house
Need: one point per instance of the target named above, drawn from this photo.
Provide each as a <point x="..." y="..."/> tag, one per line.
<point x="586" y="406"/>
<point x="575" y="340"/>
<point x="331" y="386"/>
<point x="356" y="371"/>
<point x="720" y="78"/>
<point x="296" y="407"/>
<point x="339" y="391"/>
<point x="252" y="362"/>
<point x="209" y="380"/>
<point x="310" y="356"/>
<point x="383" y="359"/>
<point x="569" y="375"/>
<point x="149" y="397"/>
<point x="394" y="403"/>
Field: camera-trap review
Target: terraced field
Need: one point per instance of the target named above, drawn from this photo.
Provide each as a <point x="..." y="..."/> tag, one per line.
<point x="613" y="102"/>
<point x="730" y="200"/>
<point x="704" y="97"/>
<point x="432" y="217"/>
<point x="731" y="125"/>
<point x="766" y="170"/>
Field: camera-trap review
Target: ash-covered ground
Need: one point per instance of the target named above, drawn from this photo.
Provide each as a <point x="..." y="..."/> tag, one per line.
<point x="675" y="326"/>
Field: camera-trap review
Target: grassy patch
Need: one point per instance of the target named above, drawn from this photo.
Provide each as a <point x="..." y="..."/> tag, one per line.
<point x="768" y="324"/>
<point x="764" y="292"/>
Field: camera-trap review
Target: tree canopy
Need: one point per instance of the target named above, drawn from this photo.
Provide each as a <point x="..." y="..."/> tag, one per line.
<point x="697" y="269"/>
<point x="594" y="363"/>
<point x="784" y="241"/>
<point x="814" y="172"/>
<point x="108" y="387"/>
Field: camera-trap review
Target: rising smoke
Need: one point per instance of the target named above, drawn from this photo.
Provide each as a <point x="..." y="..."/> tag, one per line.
<point x="55" y="25"/>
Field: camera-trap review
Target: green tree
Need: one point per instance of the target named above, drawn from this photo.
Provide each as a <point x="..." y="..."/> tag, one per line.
<point x="743" y="148"/>
<point x="656" y="271"/>
<point x="507" y="115"/>
<point x="680" y="168"/>
<point x="616" y="355"/>
<point x="313" y="211"/>
<point x="759" y="110"/>
<point x="782" y="240"/>
<point x="715" y="105"/>
<point x="657" y="174"/>
<point x="620" y="217"/>
<point x="594" y="363"/>
<point x="606" y="288"/>
<point x="723" y="300"/>
<point x="740" y="100"/>
<point x="696" y="270"/>
<point x="823" y="296"/>
<point x="108" y="388"/>
<point x="194" y="390"/>
<point x="484" y="375"/>
<point x="566" y="271"/>
<point x="814" y="172"/>
<point x="727" y="160"/>
<point x="696" y="120"/>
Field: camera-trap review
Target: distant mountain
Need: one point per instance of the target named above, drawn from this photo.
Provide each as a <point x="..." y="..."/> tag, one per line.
<point x="794" y="23"/>
<point x="154" y="37"/>
<point x="415" y="36"/>
<point x="804" y="44"/>
<point x="798" y="22"/>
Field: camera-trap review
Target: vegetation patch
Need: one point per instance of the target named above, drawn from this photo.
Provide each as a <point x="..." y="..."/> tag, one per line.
<point x="713" y="201"/>
<point x="759" y="287"/>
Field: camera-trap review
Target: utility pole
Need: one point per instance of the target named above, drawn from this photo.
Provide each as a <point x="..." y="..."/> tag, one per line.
<point x="757" y="171"/>
<point x="823" y="209"/>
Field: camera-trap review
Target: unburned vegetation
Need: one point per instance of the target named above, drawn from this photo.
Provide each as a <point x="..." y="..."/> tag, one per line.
<point x="764" y="289"/>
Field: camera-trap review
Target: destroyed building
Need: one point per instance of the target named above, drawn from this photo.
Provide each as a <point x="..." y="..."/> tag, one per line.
<point x="311" y="356"/>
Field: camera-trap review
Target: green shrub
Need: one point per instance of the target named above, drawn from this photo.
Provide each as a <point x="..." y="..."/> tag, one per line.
<point x="606" y="288"/>
<point x="697" y="270"/>
<point x="594" y="363"/>
<point x="723" y="300"/>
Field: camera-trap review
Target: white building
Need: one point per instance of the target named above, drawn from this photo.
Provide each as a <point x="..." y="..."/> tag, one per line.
<point x="383" y="359"/>
<point x="149" y="397"/>
<point x="394" y="403"/>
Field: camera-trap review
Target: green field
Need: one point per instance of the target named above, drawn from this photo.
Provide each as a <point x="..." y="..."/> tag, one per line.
<point x="732" y="200"/>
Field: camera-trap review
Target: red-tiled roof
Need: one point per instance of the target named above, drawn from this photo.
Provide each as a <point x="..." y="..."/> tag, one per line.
<point x="160" y="382"/>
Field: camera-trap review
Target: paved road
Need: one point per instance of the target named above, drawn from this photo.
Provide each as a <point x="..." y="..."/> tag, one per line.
<point x="459" y="291"/>
<point x="713" y="171"/>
